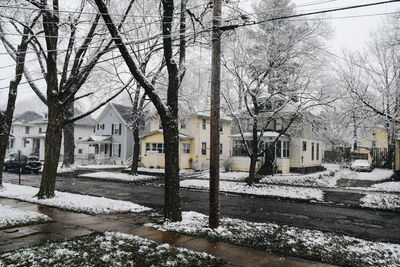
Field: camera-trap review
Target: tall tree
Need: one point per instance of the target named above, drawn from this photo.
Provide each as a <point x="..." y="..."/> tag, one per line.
<point x="19" y="55"/>
<point x="169" y="112"/>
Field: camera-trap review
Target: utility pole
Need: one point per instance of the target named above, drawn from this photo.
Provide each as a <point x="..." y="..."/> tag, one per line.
<point x="215" y="115"/>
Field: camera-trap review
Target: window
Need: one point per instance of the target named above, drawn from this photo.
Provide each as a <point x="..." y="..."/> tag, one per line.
<point x="27" y="128"/>
<point x="116" y="129"/>
<point x="116" y="150"/>
<point x="102" y="126"/>
<point x="304" y="146"/>
<point x="312" y="151"/>
<point x="221" y="127"/>
<point x="204" y="148"/>
<point x="11" y="143"/>
<point x="98" y="126"/>
<point x="317" y="151"/>
<point x="373" y="143"/>
<point x="160" y="125"/>
<point x="279" y="149"/>
<point x="159" y="147"/>
<point x="239" y="148"/>
<point x="40" y="129"/>
<point x="80" y="151"/>
<point x="204" y="124"/>
<point x="285" y="149"/>
<point x="185" y="148"/>
<point x="26" y="141"/>
<point x="220" y="149"/>
<point x="183" y="124"/>
<point x="278" y="125"/>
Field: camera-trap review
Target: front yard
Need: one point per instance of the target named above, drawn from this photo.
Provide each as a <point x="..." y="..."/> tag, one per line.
<point x="290" y="241"/>
<point x="107" y="249"/>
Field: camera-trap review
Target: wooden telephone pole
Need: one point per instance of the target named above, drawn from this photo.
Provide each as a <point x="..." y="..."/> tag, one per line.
<point x="215" y="115"/>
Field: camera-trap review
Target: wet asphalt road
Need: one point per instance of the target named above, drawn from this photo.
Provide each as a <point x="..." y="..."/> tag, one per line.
<point x="362" y="223"/>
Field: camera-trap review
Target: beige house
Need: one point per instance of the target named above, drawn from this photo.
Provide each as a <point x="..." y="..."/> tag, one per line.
<point x="194" y="141"/>
<point x="299" y="149"/>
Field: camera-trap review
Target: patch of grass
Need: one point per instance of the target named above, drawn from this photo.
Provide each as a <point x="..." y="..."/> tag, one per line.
<point x="291" y="241"/>
<point x="108" y="249"/>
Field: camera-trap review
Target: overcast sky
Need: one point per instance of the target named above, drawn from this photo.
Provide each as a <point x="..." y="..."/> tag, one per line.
<point x="349" y="33"/>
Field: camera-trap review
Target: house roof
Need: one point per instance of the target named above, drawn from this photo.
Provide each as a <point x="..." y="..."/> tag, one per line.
<point x="123" y="111"/>
<point x="265" y="134"/>
<point x="181" y="135"/>
<point x="27" y="117"/>
<point x="95" y="139"/>
<point x="85" y="121"/>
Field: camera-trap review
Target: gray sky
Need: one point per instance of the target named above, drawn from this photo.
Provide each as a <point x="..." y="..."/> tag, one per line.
<point x="349" y="33"/>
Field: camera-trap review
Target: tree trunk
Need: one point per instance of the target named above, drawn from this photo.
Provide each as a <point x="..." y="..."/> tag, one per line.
<point x="136" y="151"/>
<point x="254" y="152"/>
<point x="172" y="207"/>
<point x="5" y="122"/>
<point x="52" y="151"/>
<point x="268" y="167"/>
<point x="69" y="137"/>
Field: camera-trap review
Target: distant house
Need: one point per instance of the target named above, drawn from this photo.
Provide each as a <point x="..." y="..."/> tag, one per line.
<point x="299" y="149"/>
<point x="111" y="140"/>
<point x="372" y="145"/>
<point x="194" y="141"/>
<point x="29" y="131"/>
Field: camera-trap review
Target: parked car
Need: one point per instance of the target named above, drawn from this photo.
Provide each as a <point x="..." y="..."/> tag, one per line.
<point x="361" y="165"/>
<point x="27" y="164"/>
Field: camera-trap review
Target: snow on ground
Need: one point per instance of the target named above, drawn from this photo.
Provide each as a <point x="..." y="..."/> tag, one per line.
<point x="99" y="167"/>
<point x="261" y="190"/>
<point x="291" y="241"/>
<point x="386" y="187"/>
<point x="119" y="176"/>
<point x="381" y="201"/>
<point x="108" y="249"/>
<point x="68" y="201"/>
<point x="374" y="175"/>
<point x="11" y="217"/>
<point x="318" y="179"/>
<point x="226" y="176"/>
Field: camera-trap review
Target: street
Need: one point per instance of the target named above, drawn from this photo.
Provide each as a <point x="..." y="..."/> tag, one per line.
<point x="362" y="223"/>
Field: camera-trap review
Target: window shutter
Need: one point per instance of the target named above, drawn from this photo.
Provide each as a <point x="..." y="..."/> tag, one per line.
<point x="112" y="129"/>
<point x="120" y="127"/>
<point x="119" y="150"/>
<point x="111" y="149"/>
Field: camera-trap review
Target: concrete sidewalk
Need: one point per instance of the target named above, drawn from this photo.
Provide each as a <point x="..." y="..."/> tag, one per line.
<point x="71" y="224"/>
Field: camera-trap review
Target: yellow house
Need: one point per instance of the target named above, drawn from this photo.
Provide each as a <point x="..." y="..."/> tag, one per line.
<point x="194" y="142"/>
<point x="374" y="146"/>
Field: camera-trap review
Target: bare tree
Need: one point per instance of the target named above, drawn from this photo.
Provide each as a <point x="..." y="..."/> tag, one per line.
<point x="19" y="55"/>
<point x="272" y="71"/>
<point x="169" y="112"/>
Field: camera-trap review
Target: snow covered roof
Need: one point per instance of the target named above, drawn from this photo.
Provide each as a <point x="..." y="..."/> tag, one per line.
<point x="27" y="117"/>
<point x="95" y="139"/>
<point x="181" y="136"/>
<point x="123" y="111"/>
<point x="265" y="134"/>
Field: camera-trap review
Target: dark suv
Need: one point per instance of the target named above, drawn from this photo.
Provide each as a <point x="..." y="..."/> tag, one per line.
<point x="27" y="164"/>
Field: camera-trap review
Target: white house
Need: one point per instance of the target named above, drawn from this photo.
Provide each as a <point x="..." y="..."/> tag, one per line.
<point x="112" y="140"/>
<point x="299" y="149"/>
<point x="29" y="130"/>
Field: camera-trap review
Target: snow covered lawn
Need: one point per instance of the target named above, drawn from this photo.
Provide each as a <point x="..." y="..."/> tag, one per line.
<point x="99" y="167"/>
<point x="11" y="217"/>
<point x="291" y="241"/>
<point x="318" y="179"/>
<point x="108" y="249"/>
<point x="226" y="176"/>
<point x="262" y="190"/>
<point x="386" y="187"/>
<point x="119" y="176"/>
<point x="68" y="201"/>
<point x="375" y="175"/>
<point x="381" y="201"/>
